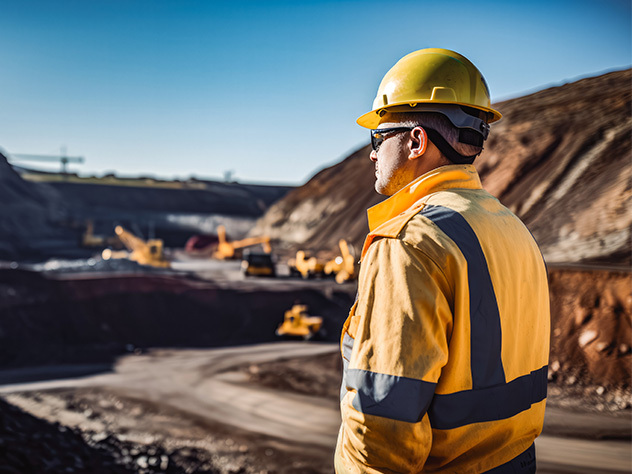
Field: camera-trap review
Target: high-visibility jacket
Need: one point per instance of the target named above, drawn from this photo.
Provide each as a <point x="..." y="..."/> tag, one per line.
<point x="446" y="348"/>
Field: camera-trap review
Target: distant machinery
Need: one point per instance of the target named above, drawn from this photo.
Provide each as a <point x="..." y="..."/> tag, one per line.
<point x="343" y="266"/>
<point x="221" y="248"/>
<point x="226" y="250"/>
<point x="90" y="240"/>
<point x="305" y="265"/>
<point x="297" y="322"/>
<point x="150" y="252"/>
<point x="258" y="264"/>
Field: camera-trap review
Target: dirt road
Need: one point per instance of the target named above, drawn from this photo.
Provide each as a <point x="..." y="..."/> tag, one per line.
<point x="207" y="384"/>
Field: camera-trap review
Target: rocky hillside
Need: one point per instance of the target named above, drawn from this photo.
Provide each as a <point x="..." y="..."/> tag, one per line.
<point x="560" y="159"/>
<point x="27" y="214"/>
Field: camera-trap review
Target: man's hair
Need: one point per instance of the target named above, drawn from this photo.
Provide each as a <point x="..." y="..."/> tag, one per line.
<point x="443" y="126"/>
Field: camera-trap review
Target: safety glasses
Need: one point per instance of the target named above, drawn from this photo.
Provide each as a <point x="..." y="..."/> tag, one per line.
<point x="379" y="135"/>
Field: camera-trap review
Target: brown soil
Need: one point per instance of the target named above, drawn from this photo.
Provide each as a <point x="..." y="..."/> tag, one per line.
<point x="591" y="328"/>
<point x="319" y="376"/>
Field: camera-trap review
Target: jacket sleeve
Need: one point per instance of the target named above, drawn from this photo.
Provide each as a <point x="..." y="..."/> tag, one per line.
<point x="398" y="335"/>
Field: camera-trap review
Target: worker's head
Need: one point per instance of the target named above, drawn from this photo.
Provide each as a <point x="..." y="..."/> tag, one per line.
<point x="432" y="109"/>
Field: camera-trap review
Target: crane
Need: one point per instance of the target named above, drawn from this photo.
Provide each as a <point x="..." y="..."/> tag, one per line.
<point x="62" y="158"/>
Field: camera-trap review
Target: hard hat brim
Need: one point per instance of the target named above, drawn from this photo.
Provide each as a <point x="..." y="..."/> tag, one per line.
<point x="371" y="119"/>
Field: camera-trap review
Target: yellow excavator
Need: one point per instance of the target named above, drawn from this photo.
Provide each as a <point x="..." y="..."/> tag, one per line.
<point x="296" y="322"/>
<point x="145" y="253"/>
<point x="89" y="239"/>
<point x="226" y="250"/>
<point x="343" y="266"/>
<point x="305" y="266"/>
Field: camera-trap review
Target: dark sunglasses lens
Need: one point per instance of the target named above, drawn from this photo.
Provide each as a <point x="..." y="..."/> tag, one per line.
<point x="376" y="140"/>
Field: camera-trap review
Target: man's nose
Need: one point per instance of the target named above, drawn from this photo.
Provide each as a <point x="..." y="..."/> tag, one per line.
<point x="373" y="155"/>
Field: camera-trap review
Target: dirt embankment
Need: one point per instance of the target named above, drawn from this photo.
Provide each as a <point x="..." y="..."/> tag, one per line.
<point x="92" y="319"/>
<point x="591" y="328"/>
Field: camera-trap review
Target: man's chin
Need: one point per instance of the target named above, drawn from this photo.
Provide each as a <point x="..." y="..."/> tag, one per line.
<point x="381" y="189"/>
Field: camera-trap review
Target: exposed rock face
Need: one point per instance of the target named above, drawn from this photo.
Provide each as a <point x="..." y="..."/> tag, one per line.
<point x="560" y="159"/>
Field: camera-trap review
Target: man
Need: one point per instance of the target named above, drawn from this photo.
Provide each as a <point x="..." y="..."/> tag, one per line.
<point x="446" y="347"/>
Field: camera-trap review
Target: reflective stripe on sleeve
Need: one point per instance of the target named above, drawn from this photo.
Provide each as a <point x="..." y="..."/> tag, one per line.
<point x="347" y="347"/>
<point x="453" y="410"/>
<point x="485" y="332"/>
<point x="390" y="396"/>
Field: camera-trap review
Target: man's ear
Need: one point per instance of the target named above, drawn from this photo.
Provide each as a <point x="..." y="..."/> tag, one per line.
<point x="418" y="143"/>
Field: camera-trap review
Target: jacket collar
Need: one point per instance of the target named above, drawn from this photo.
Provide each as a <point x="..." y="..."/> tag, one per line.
<point x="405" y="203"/>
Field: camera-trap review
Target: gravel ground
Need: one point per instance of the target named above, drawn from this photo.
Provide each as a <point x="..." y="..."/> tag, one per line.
<point x="102" y="430"/>
<point x="99" y="431"/>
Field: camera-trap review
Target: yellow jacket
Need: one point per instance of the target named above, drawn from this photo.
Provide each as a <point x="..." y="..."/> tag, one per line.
<point x="446" y="348"/>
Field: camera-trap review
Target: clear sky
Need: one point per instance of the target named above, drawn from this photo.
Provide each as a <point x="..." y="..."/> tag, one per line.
<point x="267" y="89"/>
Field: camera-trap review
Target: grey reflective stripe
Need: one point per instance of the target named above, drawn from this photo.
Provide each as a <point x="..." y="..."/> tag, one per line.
<point x="485" y="331"/>
<point x="343" y="385"/>
<point x="347" y="347"/>
<point x="390" y="396"/>
<point x="453" y="410"/>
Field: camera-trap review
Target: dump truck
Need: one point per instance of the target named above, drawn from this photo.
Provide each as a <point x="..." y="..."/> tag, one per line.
<point x="258" y="264"/>
<point x="150" y="252"/>
<point x="298" y="323"/>
<point x="343" y="266"/>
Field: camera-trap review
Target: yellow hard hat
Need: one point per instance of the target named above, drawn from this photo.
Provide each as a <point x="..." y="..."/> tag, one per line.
<point x="435" y="80"/>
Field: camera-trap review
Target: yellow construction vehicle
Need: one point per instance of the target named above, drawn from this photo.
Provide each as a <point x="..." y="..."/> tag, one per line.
<point x="88" y="239"/>
<point x="297" y="323"/>
<point x="305" y="266"/>
<point x="258" y="264"/>
<point x="145" y="253"/>
<point x="343" y="266"/>
<point x="226" y="250"/>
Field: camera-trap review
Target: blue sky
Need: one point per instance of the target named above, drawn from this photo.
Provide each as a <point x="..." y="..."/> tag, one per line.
<point x="267" y="89"/>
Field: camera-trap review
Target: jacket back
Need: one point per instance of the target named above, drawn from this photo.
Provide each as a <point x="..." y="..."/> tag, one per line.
<point x="446" y="348"/>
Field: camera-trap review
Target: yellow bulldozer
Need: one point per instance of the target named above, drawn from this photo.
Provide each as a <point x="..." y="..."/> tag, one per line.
<point x="343" y="266"/>
<point x="227" y="249"/>
<point x="150" y="252"/>
<point x="298" y="323"/>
